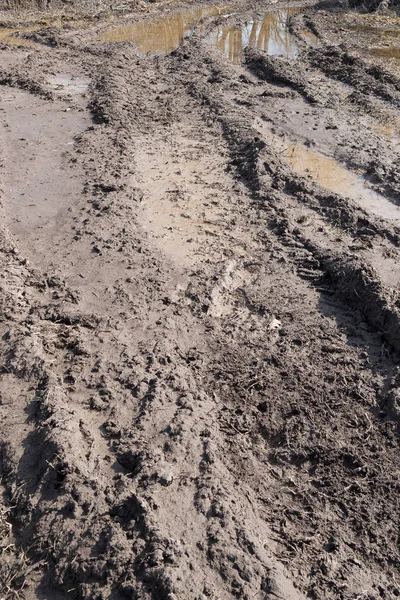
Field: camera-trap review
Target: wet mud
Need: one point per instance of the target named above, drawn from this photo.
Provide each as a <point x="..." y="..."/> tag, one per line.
<point x="200" y="317"/>
<point x="329" y="173"/>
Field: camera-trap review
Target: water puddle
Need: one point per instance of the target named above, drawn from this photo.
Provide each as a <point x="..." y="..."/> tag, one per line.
<point x="7" y="36"/>
<point x="270" y="33"/>
<point x="330" y="174"/>
<point x="387" y="52"/>
<point x="163" y="35"/>
<point x="382" y="40"/>
<point x="381" y="31"/>
<point x="63" y="84"/>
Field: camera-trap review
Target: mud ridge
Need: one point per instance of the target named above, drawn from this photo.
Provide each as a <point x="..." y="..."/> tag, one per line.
<point x="199" y="348"/>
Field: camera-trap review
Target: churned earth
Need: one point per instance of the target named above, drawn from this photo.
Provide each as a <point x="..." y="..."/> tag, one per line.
<point x="200" y="310"/>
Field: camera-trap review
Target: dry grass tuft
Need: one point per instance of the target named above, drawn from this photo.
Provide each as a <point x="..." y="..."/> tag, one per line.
<point x="25" y="4"/>
<point x="13" y="561"/>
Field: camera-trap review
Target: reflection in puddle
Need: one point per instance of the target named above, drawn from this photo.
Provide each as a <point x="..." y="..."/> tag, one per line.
<point x="270" y="34"/>
<point x="330" y="174"/>
<point x="164" y="35"/>
<point x="7" y="36"/>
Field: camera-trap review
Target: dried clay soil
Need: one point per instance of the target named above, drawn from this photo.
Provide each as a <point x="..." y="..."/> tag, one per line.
<point x="199" y="391"/>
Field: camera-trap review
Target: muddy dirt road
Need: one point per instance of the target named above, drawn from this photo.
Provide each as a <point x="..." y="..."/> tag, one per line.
<point x="200" y="311"/>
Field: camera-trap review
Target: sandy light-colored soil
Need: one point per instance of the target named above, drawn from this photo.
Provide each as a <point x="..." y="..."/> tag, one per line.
<point x="200" y="316"/>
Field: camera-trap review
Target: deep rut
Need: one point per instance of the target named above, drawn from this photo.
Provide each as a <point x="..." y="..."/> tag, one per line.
<point x="205" y="367"/>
